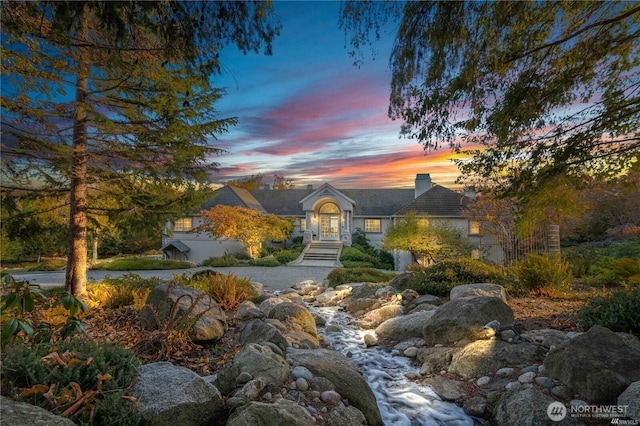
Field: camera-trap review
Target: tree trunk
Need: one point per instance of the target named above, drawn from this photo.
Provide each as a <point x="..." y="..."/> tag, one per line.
<point x="76" y="277"/>
<point x="94" y="258"/>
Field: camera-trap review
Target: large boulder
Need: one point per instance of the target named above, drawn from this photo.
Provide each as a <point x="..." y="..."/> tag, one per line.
<point x="631" y="399"/>
<point x="281" y="413"/>
<point x="294" y="314"/>
<point x="346" y="416"/>
<point x="478" y="289"/>
<point x="374" y="318"/>
<point x="465" y="318"/>
<point x="333" y="297"/>
<point x="253" y="361"/>
<point x="526" y="407"/>
<point x="258" y="331"/>
<point x="170" y="395"/>
<point x="482" y="357"/>
<point x="401" y="281"/>
<point x="592" y="359"/>
<point x="210" y="320"/>
<point x="344" y="374"/>
<point x="404" y="327"/>
<point x="20" y="413"/>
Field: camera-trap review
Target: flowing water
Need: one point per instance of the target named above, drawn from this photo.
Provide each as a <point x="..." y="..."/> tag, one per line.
<point x="401" y="402"/>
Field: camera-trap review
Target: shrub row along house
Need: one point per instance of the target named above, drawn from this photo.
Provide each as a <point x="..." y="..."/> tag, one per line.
<point x="325" y="217"/>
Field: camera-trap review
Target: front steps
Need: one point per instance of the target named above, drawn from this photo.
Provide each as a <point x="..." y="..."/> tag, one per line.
<point x="320" y="253"/>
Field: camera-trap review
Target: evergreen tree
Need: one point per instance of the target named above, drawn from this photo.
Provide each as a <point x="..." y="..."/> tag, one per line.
<point x="117" y="93"/>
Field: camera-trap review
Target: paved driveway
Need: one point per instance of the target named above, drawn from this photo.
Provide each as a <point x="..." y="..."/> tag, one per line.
<point x="275" y="278"/>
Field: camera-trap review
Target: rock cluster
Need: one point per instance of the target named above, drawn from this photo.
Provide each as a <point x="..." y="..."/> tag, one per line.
<point x="467" y="348"/>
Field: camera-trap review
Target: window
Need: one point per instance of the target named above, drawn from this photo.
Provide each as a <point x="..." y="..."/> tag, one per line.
<point x="474" y="227"/>
<point x="303" y="225"/>
<point x="329" y="208"/>
<point x="183" y="224"/>
<point x="372" y="225"/>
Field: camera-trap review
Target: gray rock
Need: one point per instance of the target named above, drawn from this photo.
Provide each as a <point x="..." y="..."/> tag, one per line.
<point x="562" y="392"/>
<point x="505" y="372"/>
<point x="257" y="361"/>
<point x="257" y="331"/>
<point x="484" y="356"/>
<point x="484" y="380"/>
<point x="592" y="359"/>
<point x="251" y="389"/>
<point x="631" y="398"/>
<point x="526" y="377"/>
<point x="545" y="382"/>
<point x="445" y="388"/>
<point x="169" y="395"/>
<point x="301" y="372"/>
<point x="333" y="297"/>
<point x="211" y="322"/>
<point x="386" y="292"/>
<point x="352" y="305"/>
<point x="292" y="313"/>
<point x="479" y="289"/>
<point x="280" y="413"/>
<point x="344" y="374"/>
<point x="435" y="359"/>
<point x="524" y="407"/>
<point x="360" y="290"/>
<point x="330" y="397"/>
<point x="530" y="369"/>
<point x="322" y="384"/>
<point x="404" y="327"/>
<point x="410" y="352"/>
<point x="507" y="335"/>
<point x="268" y="304"/>
<point x="476" y="406"/>
<point x="400" y="281"/>
<point x="370" y="340"/>
<point x="513" y="386"/>
<point x="408" y="296"/>
<point x="301" y="384"/>
<point x="20" y="413"/>
<point x="465" y="318"/>
<point x="346" y="416"/>
<point x="378" y="316"/>
<point x="248" y="310"/>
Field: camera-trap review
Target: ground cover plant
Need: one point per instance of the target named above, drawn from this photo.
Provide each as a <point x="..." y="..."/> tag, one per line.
<point x="357" y="275"/>
<point x="142" y="264"/>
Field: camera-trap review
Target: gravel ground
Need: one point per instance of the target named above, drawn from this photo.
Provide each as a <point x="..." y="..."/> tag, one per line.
<point x="275" y="278"/>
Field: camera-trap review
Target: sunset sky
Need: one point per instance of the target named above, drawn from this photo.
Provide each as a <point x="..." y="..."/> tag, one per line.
<point x="307" y="113"/>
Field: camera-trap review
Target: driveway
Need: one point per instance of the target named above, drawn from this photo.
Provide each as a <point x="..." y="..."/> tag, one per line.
<point x="274" y="278"/>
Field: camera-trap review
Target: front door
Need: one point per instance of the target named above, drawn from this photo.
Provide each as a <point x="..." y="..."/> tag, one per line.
<point x="329" y="227"/>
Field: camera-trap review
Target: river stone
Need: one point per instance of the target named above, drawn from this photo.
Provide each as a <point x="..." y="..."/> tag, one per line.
<point x="356" y="305"/>
<point x="360" y="290"/>
<point x="268" y="304"/>
<point x="465" y="318"/>
<point x="408" y="296"/>
<point x="280" y="413"/>
<point x="301" y="372"/>
<point x="522" y="407"/>
<point x="247" y="310"/>
<point x="344" y="374"/>
<point x="211" y="321"/>
<point x="481" y="357"/>
<point x="333" y="297"/>
<point x="400" y="281"/>
<point x="435" y="359"/>
<point x="257" y="331"/>
<point x="292" y="313"/>
<point x="587" y="361"/>
<point x="378" y="316"/>
<point x="170" y="395"/>
<point x="20" y="413"/>
<point x="257" y="361"/>
<point x="476" y="406"/>
<point x="404" y="327"/>
<point x="302" y="340"/>
<point x="445" y="388"/>
<point x="345" y="416"/>
<point x="631" y="398"/>
<point x="479" y="289"/>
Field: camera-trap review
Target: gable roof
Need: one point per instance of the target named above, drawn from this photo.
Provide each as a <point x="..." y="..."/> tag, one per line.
<point x="232" y="196"/>
<point x="437" y="201"/>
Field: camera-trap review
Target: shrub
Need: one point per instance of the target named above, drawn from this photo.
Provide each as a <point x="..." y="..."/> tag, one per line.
<point x="618" y="311"/>
<point x="264" y="261"/>
<point x="627" y="269"/>
<point x="355" y="255"/>
<point x="286" y="256"/>
<point x="226" y="260"/>
<point x="142" y="264"/>
<point x="85" y="380"/>
<point x="539" y="273"/>
<point x="228" y="290"/>
<point x="356" y="264"/>
<point x="128" y="289"/>
<point x="440" y="278"/>
<point x="357" y="275"/>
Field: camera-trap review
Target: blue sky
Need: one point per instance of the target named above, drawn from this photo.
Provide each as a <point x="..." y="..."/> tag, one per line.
<point x="307" y="113"/>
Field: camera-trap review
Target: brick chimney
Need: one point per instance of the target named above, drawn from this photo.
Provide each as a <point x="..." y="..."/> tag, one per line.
<point x="423" y="183"/>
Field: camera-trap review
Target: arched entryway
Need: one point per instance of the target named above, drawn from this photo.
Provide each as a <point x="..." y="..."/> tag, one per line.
<point x="329" y="222"/>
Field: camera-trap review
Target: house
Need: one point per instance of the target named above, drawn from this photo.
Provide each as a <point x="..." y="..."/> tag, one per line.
<point x="325" y="214"/>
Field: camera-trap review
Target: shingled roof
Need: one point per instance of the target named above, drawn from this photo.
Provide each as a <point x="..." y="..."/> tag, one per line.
<point x="437" y="201"/>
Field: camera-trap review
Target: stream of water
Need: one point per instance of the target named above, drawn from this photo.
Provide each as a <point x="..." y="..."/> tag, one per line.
<point x="401" y="401"/>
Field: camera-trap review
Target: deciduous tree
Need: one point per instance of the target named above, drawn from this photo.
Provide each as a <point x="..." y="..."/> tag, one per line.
<point x="544" y="88"/>
<point x="249" y="226"/>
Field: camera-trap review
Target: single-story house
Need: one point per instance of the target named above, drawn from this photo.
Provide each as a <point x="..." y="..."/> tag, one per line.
<point x="324" y="214"/>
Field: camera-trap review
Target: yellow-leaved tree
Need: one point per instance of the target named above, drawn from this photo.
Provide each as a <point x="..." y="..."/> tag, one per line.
<point x="249" y="226"/>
